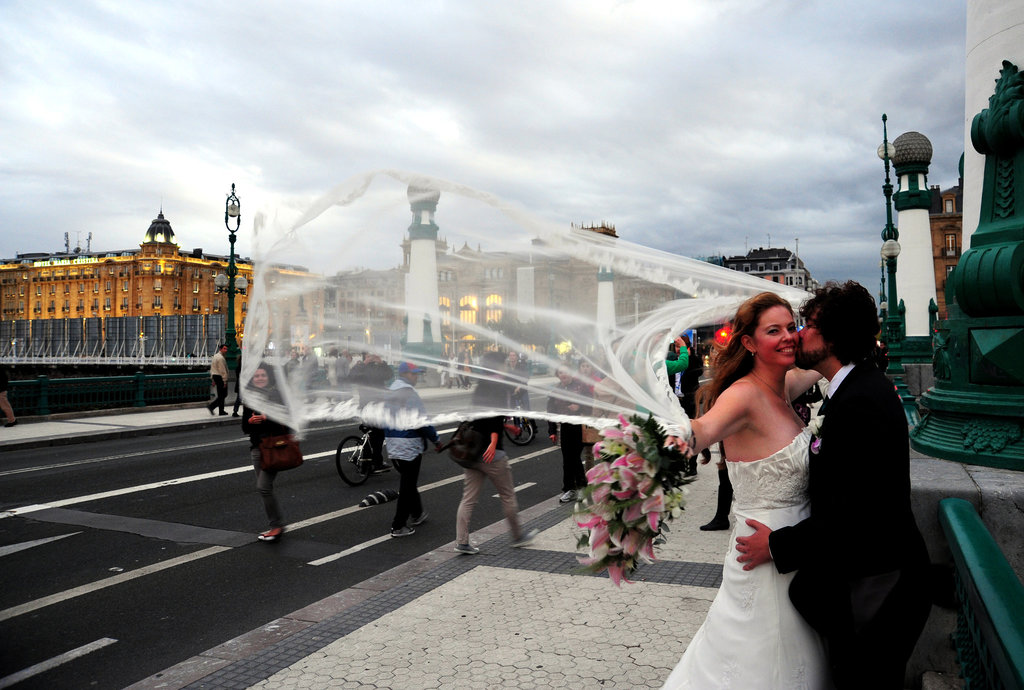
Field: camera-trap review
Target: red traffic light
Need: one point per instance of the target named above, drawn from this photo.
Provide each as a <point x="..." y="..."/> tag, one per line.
<point x="723" y="334"/>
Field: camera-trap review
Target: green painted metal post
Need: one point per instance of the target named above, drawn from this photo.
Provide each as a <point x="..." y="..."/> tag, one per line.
<point x="976" y="407"/>
<point x="140" y="389"/>
<point x="44" y="402"/>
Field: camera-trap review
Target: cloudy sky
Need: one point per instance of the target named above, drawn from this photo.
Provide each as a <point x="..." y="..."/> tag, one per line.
<point x="695" y="126"/>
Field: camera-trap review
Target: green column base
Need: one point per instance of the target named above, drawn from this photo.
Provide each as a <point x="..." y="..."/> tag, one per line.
<point x="976" y="407"/>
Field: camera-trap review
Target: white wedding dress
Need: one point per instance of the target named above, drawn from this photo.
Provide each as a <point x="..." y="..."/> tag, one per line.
<point x="752" y="636"/>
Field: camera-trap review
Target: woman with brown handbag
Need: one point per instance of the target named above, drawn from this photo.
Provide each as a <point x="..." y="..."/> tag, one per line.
<point x="259" y="426"/>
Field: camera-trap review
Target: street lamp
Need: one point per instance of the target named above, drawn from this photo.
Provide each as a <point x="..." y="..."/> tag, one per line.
<point x="893" y="332"/>
<point x="231" y="283"/>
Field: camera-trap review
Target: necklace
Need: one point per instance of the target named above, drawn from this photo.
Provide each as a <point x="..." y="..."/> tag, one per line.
<point x="780" y="396"/>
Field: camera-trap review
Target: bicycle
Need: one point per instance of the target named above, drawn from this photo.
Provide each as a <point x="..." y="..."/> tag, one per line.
<point x="520" y="430"/>
<point x="358" y="465"/>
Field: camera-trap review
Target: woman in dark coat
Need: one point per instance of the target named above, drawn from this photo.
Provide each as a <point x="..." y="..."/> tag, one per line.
<point x="259" y="426"/>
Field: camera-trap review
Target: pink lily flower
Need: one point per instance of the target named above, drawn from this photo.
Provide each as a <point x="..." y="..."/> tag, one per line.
<point x="600" y="473"/>
<point x="633" y="513"/>
<point x="615" y="572"/>
<point x="601" y="493"/>
<point x="632" y="542"/>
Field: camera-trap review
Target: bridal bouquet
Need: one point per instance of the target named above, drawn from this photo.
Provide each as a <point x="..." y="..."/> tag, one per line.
<point x="631" y="495"/>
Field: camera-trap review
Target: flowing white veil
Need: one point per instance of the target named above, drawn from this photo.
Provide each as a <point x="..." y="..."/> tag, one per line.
<point x="469" y="273"/>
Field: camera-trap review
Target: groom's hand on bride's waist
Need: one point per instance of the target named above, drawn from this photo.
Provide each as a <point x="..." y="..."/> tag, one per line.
<point x="754" y="549"/>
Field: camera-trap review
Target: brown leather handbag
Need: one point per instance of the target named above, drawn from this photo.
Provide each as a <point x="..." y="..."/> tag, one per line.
<point x="278" y="453"/>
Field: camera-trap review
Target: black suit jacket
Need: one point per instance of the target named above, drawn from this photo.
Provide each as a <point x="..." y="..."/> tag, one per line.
<point x="859" y="487"/>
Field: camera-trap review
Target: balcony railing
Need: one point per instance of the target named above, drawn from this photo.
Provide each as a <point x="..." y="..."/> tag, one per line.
<point x="989" y="635"/>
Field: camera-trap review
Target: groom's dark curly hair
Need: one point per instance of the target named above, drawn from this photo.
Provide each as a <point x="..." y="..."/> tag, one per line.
<point x="846" y="317"/>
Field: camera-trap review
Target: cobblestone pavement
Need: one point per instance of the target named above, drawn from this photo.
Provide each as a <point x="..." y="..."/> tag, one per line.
<point x="505" y="618"/>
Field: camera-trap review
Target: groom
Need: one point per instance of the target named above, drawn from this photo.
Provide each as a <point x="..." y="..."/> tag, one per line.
<point x="861" y="562"/>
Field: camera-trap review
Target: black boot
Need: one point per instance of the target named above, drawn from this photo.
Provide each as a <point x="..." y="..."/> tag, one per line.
<point x="721" y="519"/>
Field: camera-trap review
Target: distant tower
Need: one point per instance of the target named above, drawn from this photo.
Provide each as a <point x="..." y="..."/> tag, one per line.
<point x="916" y="276"/>
<point x="421" y="296"/>
<point x="605" y="321"/>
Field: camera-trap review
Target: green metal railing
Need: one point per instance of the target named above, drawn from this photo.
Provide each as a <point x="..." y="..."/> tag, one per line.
<point x="43" y="395"/>
<point x="989" y="635"/>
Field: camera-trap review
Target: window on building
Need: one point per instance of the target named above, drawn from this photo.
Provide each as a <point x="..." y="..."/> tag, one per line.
<point x="106" y="304"/>
<point x="467" y="309"/>
<point x="124" y="303"/>
<point x="52" y="306"/>
<point x="245" y="307"/>
<point x="949" y="269"/>
<point x="760" y="267"/>
<point x="195" y="304"/>
<point x="95" y="287"/>
<point x="746" y="268"/>
<point x="67" y="305"/>
<point x="96" y="304"/>
<point x="216" y="304"/>
<point x="177" y="302"/>
<point x="775" y="267"/>
<point x="39" y="290"/>
<point x="81" y="304"/>
<point x="493" y="311"/>
<point x="67" y="288"/>
<point x="108" y="286"/>
<point x="157" y="284"/>
<point x="53" y="289"/>
<point x="949" y="206"/>
<point x="951" y="244"/>
<point x="124" y="286"/>
<point x="195" y="288"/>
<point x="158" y="302"/>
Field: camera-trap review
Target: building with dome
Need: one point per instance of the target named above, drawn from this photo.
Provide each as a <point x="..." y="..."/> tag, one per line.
<point x="155" y="300"/>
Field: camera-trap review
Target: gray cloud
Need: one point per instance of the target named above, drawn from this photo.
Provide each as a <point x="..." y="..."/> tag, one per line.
<point x="697" y="127"/>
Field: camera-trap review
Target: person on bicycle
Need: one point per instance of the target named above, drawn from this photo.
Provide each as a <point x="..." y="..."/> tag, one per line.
<point x="372" y="377"/>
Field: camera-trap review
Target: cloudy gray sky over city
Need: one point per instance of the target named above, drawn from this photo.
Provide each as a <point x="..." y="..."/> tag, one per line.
<point x="695" y="126"/>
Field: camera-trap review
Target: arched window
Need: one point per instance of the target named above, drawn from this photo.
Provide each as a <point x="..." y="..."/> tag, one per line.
<point x="493" y="310"/>
<point x="444" y="305"/>
<point x="467" y="309"/>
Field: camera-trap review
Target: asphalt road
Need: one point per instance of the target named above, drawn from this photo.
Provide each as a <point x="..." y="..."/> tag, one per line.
<point x="148" y="554"/>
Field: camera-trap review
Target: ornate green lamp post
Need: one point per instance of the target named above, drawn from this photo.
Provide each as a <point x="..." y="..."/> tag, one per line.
<point x="231" y="283"/>
<point x="893" y="309"/>
<point x="976" y="407"/>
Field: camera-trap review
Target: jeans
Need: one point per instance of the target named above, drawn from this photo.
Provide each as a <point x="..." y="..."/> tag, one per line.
<point x="409" y="504"/>
<point x="265" y="487"/>
<point x="473" y="481"/>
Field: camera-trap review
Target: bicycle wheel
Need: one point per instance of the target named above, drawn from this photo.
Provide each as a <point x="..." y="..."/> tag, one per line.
<point x="348" y="459"/>
<point x="519" y="430"/>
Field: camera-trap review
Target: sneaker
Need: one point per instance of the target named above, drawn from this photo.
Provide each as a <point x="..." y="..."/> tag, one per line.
<point x="10" y="424"/>
<point x="525" y="540"/>
<point x="419" y="520"/>
<point x="568" y="497"/>
<point x="222" y="414"/>
<point x="272" y="534"/>
<point x="466" y="548"/>
<point x="403" y="532"/>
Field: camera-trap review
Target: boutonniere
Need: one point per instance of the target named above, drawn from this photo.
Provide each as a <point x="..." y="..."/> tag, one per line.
<point x="815" y="428"/>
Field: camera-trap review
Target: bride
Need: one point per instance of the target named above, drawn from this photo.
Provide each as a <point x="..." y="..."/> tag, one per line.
<point x="752" y="636"/>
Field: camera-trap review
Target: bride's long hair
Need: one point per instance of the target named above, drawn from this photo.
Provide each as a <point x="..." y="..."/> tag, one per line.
<point x="732" y="361"/>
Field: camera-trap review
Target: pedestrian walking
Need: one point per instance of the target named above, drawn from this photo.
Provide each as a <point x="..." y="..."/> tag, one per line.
<point x="406" y="447"/>
<point x="490" y="393"/>
<point x="5" y="404"/>
<point x="259" y="427"/>
<point x="219" y="376"/>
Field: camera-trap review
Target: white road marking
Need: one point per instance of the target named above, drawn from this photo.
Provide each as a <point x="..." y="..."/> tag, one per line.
<point x="350" y="551"/>
<point x="43" y="602"/>
<point x="15" y="548"/>
<point x="28" y="607"/>
<point x="43" y="666"/>
<point x="519" y="488"/>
